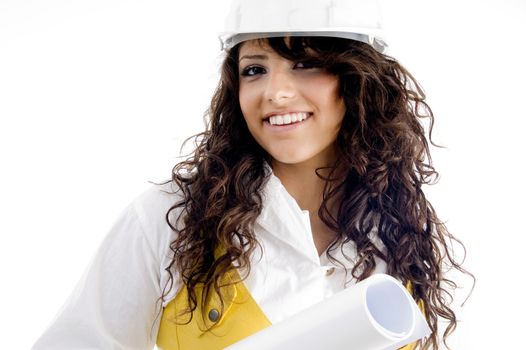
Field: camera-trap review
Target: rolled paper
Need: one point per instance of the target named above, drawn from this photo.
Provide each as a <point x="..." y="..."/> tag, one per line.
<point x="377" y="313"/>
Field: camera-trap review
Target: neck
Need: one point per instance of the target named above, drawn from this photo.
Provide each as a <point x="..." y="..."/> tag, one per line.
<point x="302" y="183"/>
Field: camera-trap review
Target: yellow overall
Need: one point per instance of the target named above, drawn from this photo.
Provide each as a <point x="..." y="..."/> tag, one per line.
<point x="240" y="318"/>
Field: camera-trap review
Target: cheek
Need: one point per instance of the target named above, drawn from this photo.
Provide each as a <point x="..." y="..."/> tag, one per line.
<point x="324" y="85"/>
<point x="248" y="101"/>
<point x="334" y="95"/>
<point x="326" y="91"/>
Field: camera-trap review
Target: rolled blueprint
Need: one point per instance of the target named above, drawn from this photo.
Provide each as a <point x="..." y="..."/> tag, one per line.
<point x="375" y="314"/>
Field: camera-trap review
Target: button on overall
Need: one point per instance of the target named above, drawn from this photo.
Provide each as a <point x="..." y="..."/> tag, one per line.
<point x="214" y="315"/>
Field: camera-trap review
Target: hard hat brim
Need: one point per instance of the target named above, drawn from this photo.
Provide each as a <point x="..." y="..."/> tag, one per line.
<point x="229" y="40"/>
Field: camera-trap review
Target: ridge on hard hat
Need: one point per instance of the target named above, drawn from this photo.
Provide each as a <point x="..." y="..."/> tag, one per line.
<point x="350" y="19"/>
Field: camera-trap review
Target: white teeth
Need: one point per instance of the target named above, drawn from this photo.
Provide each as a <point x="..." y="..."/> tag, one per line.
<point x="288" y="118"/>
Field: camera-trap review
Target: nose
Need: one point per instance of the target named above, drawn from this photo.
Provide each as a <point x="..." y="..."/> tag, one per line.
<point x="280" y="87"/>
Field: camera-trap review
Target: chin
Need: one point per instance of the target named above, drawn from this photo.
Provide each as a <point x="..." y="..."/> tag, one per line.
<point x="303" y="155"/>
<point x="289" y="158"/>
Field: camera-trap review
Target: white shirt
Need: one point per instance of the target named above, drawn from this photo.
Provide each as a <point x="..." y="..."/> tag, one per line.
<point x="116" y="303"/>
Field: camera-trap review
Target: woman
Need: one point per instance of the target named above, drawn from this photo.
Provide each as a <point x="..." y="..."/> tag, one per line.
<point x="308" y="179"/>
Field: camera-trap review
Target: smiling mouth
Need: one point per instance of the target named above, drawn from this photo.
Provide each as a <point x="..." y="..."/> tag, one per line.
<point x="288" y="118"/>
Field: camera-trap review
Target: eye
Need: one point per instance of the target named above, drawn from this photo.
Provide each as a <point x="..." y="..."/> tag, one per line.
<point x="251" y="71"/>
<point x="310" y="64"/>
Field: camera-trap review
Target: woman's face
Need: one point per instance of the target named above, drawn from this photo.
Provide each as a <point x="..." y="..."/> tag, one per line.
<point x="293" y="110"/>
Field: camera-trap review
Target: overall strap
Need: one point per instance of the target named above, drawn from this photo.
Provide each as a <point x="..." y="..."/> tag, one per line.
<point x="215" y="327"/>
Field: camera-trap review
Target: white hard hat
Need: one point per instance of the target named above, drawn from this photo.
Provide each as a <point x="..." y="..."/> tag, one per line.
<point x="350" y="19"/>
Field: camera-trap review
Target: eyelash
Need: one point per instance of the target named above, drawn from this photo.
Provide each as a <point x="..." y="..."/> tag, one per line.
<point x="246" y="72"/>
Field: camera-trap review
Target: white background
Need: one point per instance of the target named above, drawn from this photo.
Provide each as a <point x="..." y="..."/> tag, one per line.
<point x="97" y="96"/>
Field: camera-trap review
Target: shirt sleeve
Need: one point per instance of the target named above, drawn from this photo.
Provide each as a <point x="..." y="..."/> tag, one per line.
<point x="116" y="304"/>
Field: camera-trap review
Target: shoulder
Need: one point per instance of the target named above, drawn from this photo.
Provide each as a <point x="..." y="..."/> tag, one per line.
<point x="152" y="205"/>
<point x="116" y="300"/>
<point x="149" y="212"/>
<point x="150" y="209"/>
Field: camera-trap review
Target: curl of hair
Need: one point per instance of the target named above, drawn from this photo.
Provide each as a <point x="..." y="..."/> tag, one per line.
<point x="384" y="162"/>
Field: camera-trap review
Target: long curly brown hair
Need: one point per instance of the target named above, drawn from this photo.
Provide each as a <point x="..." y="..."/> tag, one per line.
<point x="385" y="160"/>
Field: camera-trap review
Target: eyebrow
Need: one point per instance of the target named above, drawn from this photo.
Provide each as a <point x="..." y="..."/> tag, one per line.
<point x="254" y="57"/>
